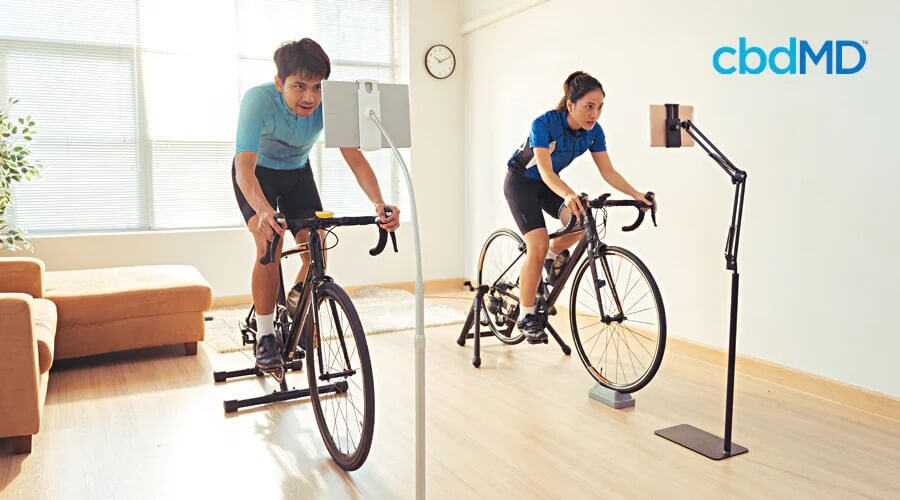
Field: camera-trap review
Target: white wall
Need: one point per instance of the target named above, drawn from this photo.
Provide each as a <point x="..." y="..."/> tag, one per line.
<point x="475" y="10"/>
<point x="437" y="137"/>
<point x="817" y="258"/>
<point x="224" y="256"/>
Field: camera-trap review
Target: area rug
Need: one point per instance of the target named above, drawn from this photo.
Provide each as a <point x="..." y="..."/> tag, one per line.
<point x="381" y="310"/>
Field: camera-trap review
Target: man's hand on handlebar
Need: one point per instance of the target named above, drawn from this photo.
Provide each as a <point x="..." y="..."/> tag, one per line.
<point x="392" y="222"/>
<point x="267" y="224"/>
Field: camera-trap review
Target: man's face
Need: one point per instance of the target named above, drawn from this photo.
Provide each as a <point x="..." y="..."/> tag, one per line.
<point x="302" y="95"/>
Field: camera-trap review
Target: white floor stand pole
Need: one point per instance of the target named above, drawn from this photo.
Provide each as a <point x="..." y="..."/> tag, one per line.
<point x="420" y="325"/>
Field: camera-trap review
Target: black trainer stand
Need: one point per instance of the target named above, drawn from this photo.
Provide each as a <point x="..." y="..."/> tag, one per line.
<point x="248" y="336"/>
<point x="474" y="320"/>
<point x="689" y="436"/>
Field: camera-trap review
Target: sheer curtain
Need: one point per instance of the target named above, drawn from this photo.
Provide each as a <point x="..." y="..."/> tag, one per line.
<point x="136" y="103"/>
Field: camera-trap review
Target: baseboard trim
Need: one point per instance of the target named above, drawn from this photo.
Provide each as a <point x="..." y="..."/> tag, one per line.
<point x="431" y="286"/>
<point x="859" y="398"/>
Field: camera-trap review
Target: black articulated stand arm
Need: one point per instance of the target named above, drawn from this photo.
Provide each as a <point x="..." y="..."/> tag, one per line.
<point x="688" y="436"/>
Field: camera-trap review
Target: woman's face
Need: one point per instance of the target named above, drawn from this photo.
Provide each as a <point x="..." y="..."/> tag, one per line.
<point x="586" y="110"/>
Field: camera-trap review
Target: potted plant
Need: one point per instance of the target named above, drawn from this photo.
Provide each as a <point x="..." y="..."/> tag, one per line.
<point x="15" y="165"/>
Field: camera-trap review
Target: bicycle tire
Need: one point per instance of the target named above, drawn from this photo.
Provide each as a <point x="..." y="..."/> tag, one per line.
<point x="501" y="310"/>
<point x="318" y="357"/>
<point x="619" y="334"/>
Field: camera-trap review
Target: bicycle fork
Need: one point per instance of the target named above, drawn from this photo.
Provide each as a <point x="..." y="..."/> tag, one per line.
<point x="595" y="253"/>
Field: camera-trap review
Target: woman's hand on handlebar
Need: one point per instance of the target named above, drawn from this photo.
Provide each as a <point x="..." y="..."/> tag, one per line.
<point x="391" y="222"/>
<point x="267" y="224"/>
<point x="573" y="203"/>
<point x="650" y="201"/>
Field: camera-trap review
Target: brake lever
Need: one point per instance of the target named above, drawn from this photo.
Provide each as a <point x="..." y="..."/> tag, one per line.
<point x="382" y="237"/>
<point x="650" y="196"/>
<point x="272" y="245"/>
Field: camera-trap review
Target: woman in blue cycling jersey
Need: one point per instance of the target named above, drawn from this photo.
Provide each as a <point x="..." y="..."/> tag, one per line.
<point x="533" y="185"/>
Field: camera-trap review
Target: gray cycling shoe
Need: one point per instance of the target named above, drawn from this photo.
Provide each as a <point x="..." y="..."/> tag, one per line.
<point x="268" y="353"/>
<point x="532" y="325"/>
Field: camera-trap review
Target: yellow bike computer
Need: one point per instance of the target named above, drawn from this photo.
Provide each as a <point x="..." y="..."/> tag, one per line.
<point x="324" y="215"/>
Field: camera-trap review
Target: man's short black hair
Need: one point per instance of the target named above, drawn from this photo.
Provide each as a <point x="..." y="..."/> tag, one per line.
<point x="304" y="58"/>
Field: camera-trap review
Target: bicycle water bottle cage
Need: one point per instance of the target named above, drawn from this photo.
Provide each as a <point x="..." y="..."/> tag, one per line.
<point x="324" y="215"/>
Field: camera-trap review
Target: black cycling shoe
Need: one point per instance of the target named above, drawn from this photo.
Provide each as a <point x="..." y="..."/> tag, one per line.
<point x="555" y="266"/>
<point x="533" y="326"/>
<point x="268" y="354"/>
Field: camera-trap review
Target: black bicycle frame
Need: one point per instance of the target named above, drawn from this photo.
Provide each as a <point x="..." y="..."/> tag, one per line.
<point x="592" y="240"/>
<point x="589" y="239"/>
<point x="307" y="309"/>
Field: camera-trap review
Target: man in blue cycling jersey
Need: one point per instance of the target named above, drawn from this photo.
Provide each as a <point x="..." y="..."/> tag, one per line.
<point x="278" y="125"/>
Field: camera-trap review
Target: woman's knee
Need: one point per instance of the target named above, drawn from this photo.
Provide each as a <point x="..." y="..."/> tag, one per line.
<point x="537" y="244"/>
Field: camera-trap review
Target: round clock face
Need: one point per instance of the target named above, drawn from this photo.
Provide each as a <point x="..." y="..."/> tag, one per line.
<point x="440" y="61"/>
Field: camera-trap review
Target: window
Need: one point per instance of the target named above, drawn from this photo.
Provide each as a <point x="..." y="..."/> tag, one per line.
<point x="136" y="103"/>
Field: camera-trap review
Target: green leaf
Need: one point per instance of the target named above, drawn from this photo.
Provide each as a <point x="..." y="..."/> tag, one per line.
<point x="22" y="121"/>
<point x="27" y="137"/>
<point x="15" y="130"/>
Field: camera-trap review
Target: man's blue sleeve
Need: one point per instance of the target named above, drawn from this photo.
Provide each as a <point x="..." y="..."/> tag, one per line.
<point x="599" y="144"/>
<point x="251" y="121"/>
<point x="540" y="132"/>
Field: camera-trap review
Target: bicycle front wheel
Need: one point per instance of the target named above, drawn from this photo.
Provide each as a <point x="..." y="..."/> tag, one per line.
<point x="339" y="372"/>
<point x="619" y="322"/>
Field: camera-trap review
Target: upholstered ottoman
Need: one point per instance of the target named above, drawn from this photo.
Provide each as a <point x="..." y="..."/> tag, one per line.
<point x="120" y="308"/>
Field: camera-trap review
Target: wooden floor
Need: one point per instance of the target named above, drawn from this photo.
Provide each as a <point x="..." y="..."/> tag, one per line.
<point x="149" y="424"/>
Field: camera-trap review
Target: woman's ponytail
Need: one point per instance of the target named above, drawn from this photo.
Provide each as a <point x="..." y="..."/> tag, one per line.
<point x="576" y="86"/>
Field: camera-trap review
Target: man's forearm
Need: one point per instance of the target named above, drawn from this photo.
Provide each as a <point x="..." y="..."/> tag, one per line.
<point x="367" y="181"/>
<point x="248" y="184"/>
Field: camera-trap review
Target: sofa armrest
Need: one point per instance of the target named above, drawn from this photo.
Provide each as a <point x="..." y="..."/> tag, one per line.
<point x="20" y="382"/>
<point x="22" y="275"/>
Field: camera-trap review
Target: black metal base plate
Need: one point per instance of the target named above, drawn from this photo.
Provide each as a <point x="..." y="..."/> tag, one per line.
<point x="702" y="442"/>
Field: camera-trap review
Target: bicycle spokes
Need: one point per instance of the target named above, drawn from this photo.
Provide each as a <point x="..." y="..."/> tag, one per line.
<point x="499" y="267"/>
<point x="618" y="320"/>
<point x="339" y="363"/>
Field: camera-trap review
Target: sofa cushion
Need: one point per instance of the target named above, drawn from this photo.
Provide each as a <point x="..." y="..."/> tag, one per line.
<point x="43" y="317"/>
<point x="98" y="295"/>
<point x="22" y="275"/>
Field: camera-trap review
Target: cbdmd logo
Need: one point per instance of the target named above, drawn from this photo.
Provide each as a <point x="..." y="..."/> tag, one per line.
<point x="835" y="55"/>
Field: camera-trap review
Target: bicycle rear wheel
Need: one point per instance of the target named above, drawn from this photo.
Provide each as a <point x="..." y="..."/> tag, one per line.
<point x="498" y="267"/>
<point x="619" y="328"/>
<point x="337" y="354"/>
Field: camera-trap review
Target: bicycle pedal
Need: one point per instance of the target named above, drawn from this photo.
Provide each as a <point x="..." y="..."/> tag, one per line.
<point x="540" y="340"/>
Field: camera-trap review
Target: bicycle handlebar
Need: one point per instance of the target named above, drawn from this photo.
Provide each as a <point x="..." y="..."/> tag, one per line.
<point x="603" y="201"/>
<point x="316" y="223"/>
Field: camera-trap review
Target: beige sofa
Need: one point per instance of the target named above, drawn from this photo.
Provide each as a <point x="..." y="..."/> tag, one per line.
<point x="46" y="316"/>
